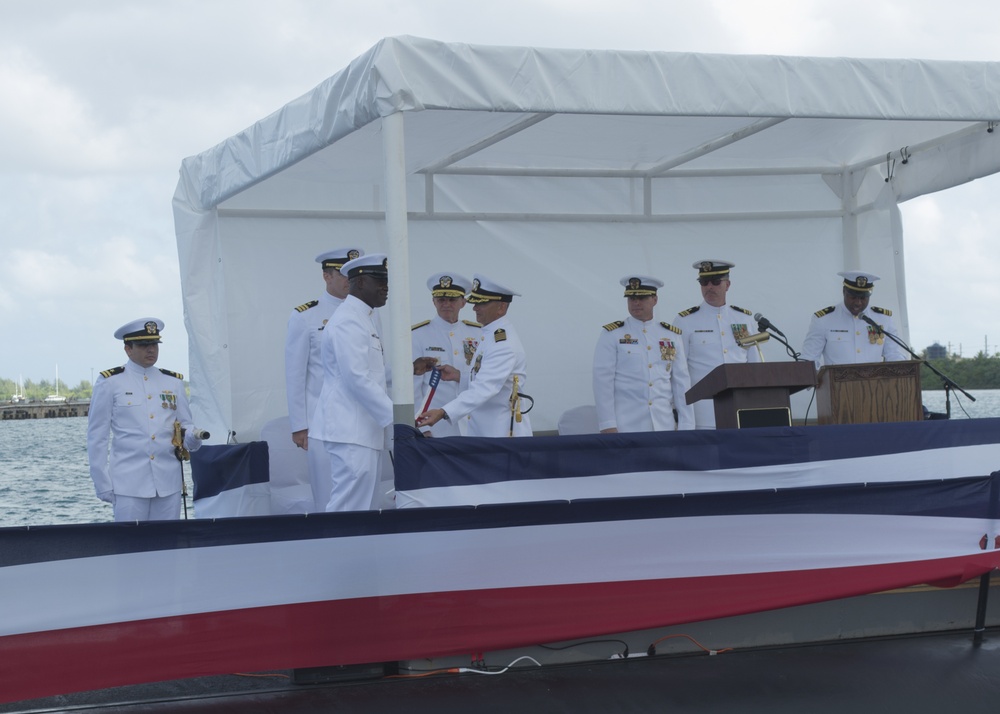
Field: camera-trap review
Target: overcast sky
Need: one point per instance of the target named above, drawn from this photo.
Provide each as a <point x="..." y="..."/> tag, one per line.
<point x="101" y="100"/>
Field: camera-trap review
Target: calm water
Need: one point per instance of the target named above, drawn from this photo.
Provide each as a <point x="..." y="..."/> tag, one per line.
<point x="44" y="476"/>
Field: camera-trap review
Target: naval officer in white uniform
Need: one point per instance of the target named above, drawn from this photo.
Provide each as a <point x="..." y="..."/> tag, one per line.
<point x="447" y="340"/>
<point x="304" y="365"/>
<point x="354" y="413"/>
<point x="838" y="335"/>
<point x="490" y="397"/>
<point x="133" y="409"/>
<point x="640" y="370"/>
<point x="711" y="331"/>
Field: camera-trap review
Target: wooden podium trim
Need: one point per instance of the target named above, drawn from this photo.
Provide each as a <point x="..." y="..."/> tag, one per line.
<point x="868" y="370"/>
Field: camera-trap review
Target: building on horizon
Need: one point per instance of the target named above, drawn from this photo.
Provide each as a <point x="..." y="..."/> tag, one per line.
<point x="937" y="351"/>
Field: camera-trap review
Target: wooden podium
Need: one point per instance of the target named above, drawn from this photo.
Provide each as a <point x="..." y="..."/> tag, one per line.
<point x="753" y="394"/>
<point x="869" y="392"/>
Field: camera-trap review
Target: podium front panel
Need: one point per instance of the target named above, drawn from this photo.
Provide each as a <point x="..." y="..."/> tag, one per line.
<point x="870" y="392"/>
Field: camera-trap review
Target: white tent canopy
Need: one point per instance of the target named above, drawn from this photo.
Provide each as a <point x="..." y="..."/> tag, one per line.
<point x="556" y="172"/>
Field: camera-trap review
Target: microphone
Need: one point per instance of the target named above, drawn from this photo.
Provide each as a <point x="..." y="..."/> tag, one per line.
<point x="764" y="324"/>
<point x="753" y="339"/>
<point x="200" y="434"/>
<point x="871" y="322"/>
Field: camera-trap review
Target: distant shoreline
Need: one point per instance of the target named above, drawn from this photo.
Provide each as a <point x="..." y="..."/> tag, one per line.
<point x="43" y="410"/>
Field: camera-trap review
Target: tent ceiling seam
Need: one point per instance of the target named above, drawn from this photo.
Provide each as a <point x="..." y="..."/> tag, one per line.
<point x="907" y="152"/>
<point x="715" y="144"/>
<point x="485" y="143"/>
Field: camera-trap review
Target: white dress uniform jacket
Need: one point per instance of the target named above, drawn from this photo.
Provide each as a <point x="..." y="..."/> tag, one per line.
<point x="453" y="344"/>
<point x="303" y="358"/>
<point x="640" y="377"/>
<point x="484" y="400"/>
<point x="135" y="409"/>
<point x="710" y="335"/>
<point x="841" y="338"/>
<point x="354" y="407"/>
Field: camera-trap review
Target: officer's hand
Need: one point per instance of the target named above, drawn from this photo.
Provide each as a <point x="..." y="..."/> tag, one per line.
<point x="423" y="365"/>
<point x="301" y="438"/>
<point x="430" y="417"/>
<point x="107" y="497"/>
<point x="449" y="373"/>
<point x="612" y="430"/>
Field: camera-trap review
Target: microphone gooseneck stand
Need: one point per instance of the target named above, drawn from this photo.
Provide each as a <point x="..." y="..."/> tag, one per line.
<point x="949" y="384"/>
<point x="788" y="348"/>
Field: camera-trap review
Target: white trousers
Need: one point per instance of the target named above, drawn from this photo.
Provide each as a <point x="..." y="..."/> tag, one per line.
<point x="319" y="474"/>
<point x="354" y="476"/>
<point x="159" y="508"/>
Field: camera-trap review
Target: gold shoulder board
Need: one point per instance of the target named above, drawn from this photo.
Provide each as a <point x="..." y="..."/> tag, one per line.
<point x="672" y="328"/>
<point x="470" y="323"/>
<point x="824" y="311"/>
<point x="690" y="311"/>
<point x="305" y="306"/>
<point x="420" y="324"/>
<point x="112" y="372"/>
<point x="612" y="326"/>
<point x="176" y="375"/>
<point x="741" y="309"/>
<point x="882" y="311"/>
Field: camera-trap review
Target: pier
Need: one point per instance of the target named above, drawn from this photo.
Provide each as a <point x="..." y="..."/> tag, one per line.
<point x="43" y="410"/>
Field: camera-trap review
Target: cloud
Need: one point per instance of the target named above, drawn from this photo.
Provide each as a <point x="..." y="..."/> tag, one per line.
<point x="49" y="123"/>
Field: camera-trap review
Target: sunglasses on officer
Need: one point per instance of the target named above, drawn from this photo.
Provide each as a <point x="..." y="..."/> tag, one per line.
<point x="713" y="281"/>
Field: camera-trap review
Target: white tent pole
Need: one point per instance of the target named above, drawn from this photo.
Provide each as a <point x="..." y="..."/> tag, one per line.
<point x="849" y="222"/>
<point x="398" y="342"/>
